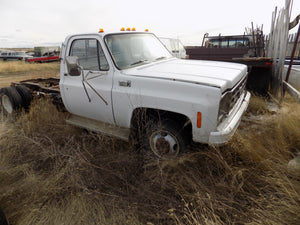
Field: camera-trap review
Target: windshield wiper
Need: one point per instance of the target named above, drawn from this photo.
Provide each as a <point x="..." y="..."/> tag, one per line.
<point x="138" y="62"/>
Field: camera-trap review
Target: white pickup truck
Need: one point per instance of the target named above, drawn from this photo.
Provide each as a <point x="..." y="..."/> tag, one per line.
<point x="128" y="84"/>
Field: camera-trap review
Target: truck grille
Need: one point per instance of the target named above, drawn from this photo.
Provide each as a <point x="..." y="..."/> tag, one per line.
<point x="230" y="98"/>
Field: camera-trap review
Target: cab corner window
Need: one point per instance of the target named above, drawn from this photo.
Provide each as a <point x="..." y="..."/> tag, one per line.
<point x="90" y="54"/>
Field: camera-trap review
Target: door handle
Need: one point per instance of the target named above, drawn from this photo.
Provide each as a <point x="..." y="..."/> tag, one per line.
<point x="125" y="83"/>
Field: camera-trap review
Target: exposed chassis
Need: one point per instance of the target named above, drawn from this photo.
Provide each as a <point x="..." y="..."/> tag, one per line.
<point x="44" y="87"/>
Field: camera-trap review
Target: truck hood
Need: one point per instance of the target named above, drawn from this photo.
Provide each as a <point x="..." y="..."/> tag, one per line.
<point x="211" y="73"/>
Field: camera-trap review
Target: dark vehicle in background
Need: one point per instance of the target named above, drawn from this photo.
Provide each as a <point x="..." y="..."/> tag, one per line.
<point x="227" y="48"/>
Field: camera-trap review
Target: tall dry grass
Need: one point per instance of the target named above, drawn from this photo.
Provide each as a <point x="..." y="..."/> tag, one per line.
<point x="14" y="71"/>
<point x="22" y="66"/>
<point x="52" y="173"/>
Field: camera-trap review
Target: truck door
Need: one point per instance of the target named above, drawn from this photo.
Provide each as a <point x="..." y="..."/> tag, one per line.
<point x="88" y="94"/>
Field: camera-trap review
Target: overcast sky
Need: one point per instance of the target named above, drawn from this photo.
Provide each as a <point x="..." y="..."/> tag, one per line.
<point x="28" y="23"/>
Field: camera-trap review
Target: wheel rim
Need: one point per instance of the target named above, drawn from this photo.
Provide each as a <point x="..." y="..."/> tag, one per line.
<point x="164" y="144"/>
<point x="7" y="105"/>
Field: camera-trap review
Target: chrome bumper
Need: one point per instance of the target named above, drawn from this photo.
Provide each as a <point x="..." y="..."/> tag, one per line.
<point x="228" y="127"/>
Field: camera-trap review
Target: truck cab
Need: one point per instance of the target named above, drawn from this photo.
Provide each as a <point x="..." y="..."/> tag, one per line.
<point x="127" y="83"/>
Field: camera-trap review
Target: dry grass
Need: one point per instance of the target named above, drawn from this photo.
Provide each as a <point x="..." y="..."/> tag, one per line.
<point x="13" y="71"/>
<point x="52" y="173"/>
<point x="22" y="66"/>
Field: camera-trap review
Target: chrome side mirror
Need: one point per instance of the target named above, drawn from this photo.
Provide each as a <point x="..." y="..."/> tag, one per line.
<point x="74" y="69"/>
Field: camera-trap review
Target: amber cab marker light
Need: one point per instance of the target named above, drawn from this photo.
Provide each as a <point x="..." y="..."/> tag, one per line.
<point x="101" y="30"/>
<point x="122" y="29"/>
<point x="133" y="29"/>
<point x="147" y="30"/>
<point x="199" y="119"/>
<point x="128" y="29"/>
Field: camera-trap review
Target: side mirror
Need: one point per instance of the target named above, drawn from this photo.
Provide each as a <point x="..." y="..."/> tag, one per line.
<point x="74" y="69"/>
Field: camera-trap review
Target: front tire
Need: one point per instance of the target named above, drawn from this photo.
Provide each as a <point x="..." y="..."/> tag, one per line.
<point x="165" y="139"/>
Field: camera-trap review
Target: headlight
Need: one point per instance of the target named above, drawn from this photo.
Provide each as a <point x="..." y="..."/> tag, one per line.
<point x="224" y="105"/>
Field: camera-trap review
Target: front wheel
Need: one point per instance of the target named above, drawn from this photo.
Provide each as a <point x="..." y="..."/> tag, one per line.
<point x="166" y="139"/>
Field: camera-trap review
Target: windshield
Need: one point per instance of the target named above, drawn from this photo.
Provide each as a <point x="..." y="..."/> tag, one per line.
<point x="20" y="53"/>
<point x="130" y="50"/>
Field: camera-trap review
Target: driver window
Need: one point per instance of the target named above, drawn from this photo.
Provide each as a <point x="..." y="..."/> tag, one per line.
<point x="90" y="54"/>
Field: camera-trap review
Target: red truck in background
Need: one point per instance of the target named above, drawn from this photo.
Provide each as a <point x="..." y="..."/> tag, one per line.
<point x="45" y="54"/>
<point x="47" y="57"/>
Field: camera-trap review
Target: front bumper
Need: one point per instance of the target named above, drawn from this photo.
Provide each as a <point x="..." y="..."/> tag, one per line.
<point x="228" y="127"/>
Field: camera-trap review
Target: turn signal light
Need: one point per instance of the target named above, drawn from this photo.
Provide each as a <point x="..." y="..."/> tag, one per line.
<point x="199" y="119"/>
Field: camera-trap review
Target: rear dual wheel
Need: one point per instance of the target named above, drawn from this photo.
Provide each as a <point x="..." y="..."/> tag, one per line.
<point x="14" y="98"/>
<point x="25" y="95"/>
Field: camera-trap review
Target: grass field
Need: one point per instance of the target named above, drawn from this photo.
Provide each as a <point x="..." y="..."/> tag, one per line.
<point x="19" y="70"/>
<point x="53" y="173"/>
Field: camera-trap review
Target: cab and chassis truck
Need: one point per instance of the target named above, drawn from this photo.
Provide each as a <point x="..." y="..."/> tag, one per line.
<point x="127" y="84"/>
